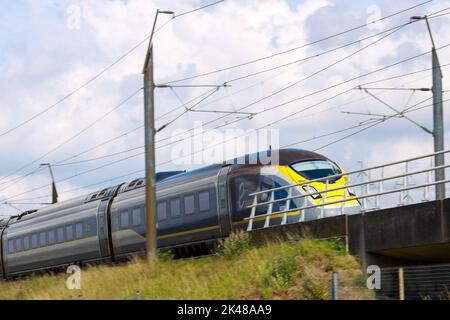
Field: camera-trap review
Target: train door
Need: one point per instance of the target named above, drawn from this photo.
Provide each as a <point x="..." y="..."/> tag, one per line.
<point x="223" y="205"/>
<point x="104" y="229"/>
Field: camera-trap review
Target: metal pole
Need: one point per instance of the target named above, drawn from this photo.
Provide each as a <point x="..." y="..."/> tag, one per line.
<point x="438" y="114"/>
<point x="334" y="286"/>
<point x="149" y="119"/>
<point x="54" y="191"/>
<point x="438" y="124"/>
<point x="401" y="284"/>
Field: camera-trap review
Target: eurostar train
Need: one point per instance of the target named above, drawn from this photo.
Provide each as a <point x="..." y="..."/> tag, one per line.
<point x="194" y="210"/>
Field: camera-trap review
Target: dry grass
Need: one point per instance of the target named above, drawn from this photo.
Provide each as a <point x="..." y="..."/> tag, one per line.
<point x="299" y="269"/>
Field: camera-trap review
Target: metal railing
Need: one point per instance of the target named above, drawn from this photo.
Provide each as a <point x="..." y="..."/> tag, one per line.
<point x="380" y="197"/>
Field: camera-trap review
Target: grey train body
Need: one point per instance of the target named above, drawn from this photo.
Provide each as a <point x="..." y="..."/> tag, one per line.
<point x="193" y="209"/>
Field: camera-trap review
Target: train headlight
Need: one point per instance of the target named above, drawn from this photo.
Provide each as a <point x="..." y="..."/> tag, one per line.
<point x="312" y="192"/>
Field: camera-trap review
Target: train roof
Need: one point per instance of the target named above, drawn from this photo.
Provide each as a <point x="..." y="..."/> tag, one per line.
<point x="285" y="157"/>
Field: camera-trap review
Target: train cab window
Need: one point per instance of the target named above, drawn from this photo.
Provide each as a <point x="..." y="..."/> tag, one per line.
<point x="60" y="235"/>
<point x="51" y="237"/>
<point x="189" y="204"/>
<point x="42" y="239"/>
<point x="69" y="233"/>
<point x="203" y="201"/>
<point x="162" y="211"/>
<point x="136" y="216"/>
<point x="19" y="244"/>
<point x="79" y="230"/>
<point x="11" y="246"/>
<point x="26" y="243"/>
<point x="124" y="219"/>
<point x="175" y="208"/>
<point x="34" y="241"/>
<point x="316" y="169"/>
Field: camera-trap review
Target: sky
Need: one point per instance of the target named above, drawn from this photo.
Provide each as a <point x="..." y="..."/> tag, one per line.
<point x="52" y="51"/>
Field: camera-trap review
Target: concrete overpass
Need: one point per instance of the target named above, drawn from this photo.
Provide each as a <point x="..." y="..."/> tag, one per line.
<point x="407" y="235"/>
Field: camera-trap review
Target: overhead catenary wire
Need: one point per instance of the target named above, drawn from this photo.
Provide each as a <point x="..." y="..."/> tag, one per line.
<point x="371" y="125"/>
<point x="317" y="55"/>
<point x="377" y="81"/>
<point x="142" y="153"/>
<point x="408" y="110"/>
<point x="285" y="88"/>
<point x="301" y="46"/>
<point x="412" y="108"/>
<point x="202" y="150"/>
<point x="221" y="117"/>
<point x="393" y="29"/>
<point x="346" y="81"/>
<point x="97" y="75"/>
<point x="65" y="141"/>
<point x="325" y="68"/>
<point x="187" y="109"/>
<point x="288" y="117"/>
<point x="304" y="96"/>
<point x="83" y="187"/>
<point x="367" y="97"/>
<point x="198" y="9"/>
<point x="78" y="174"/>
<point x="64" y="162"/>
<point x="321" y="53"/>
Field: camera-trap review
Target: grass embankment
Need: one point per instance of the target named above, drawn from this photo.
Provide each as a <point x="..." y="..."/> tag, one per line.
<point x="299" y="269"/>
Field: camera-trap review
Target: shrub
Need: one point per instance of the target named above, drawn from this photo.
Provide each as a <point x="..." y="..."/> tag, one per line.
<point x="279" y="275"/>
<point x="234" y="245"/>
<point x="284" y="271"/>
<point x="316" y="289"/>
<point x="164" y="256"/>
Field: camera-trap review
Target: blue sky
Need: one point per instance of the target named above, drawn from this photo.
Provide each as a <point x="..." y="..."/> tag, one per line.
<point x="42" y="58"/>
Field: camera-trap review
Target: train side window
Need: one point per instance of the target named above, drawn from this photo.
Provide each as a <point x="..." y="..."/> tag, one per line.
<point x="175" y="208"/>
<point x="203" y="201"/>
<point x="162" y="211"/>
<point x="189" y="204"/>
<point x="69" y="233"/>
<point x="26" y="243"/>
<point x="60" y="235"/>
<point x="136" y="216"/>
<point x="11" y="246"/>
<point x="88" y="228"/>
<point x="51" y="237"/>
<point x="34" y="241"/>
<point x="42" y="239"/>
<point x="124" y="219"/>
<point x="19" y="244"/>
<point x="79" y="230"/>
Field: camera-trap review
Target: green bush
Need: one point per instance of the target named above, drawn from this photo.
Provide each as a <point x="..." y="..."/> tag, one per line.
<point x="284" y="270"/>
<point x="316" y="289"/>
<point x="234" y="245"/>
<point x="279" y="275"/>
<point x="164" y="256"/>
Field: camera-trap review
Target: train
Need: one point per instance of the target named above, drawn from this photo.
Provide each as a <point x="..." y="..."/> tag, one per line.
<point x="194" y="210"/>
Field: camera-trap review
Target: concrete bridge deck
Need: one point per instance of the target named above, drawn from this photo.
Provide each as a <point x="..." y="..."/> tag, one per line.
<point x="407" y="235"/>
